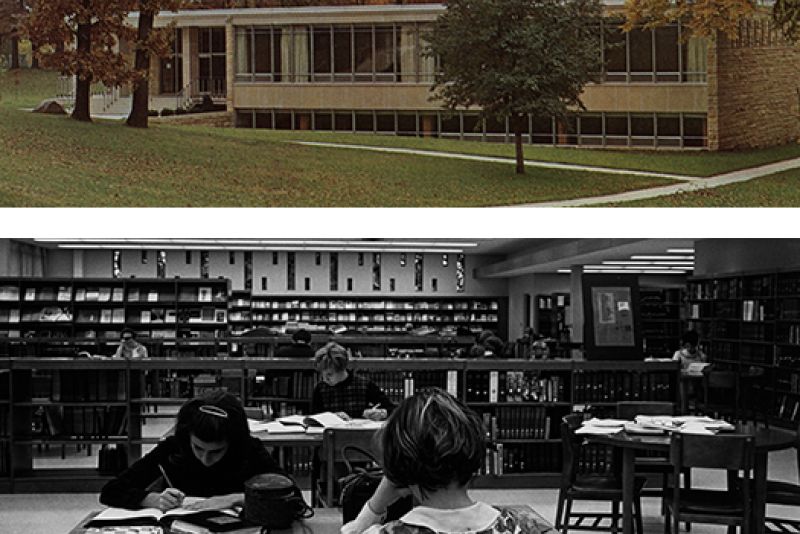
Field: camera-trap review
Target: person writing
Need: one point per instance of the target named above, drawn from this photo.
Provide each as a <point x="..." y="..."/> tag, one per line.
<point x="300" y="347"/>
<point x="432" y="447"/>
<point x="129" y="347"/>
<point x="211" y="455"/>
<point x="344" y="393"/>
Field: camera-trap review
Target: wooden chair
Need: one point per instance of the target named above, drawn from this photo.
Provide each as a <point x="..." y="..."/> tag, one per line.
<point x="786" y="494"/>
<point x="577" y="487"/>
<point x="331" y="465"/>
<point x="721" y="394"/>
<point x="732" y="506"/>
<point x="652" y="464"/>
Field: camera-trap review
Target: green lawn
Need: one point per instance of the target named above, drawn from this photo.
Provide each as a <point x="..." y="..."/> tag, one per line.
<point x="55" y="161"/>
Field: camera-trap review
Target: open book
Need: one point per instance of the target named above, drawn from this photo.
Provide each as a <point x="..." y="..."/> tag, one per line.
<point x="695" y="368"/>
<point x="317" y="423"/>
<point x="111" y="517"/>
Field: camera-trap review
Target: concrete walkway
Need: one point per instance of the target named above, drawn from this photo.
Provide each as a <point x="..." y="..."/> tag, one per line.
<point x="688" y="183"/>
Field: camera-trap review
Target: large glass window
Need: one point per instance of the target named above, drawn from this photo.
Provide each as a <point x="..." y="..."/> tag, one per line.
<point x="211" y="61"/>
<point x="640" y="52"/>
<point x="171" y="79"/>
<point x="667" y="54"/>
<point x="321" y="51"/>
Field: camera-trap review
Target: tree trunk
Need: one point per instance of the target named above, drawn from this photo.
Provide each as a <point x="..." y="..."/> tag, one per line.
<point x="141" y="93"/>
<point x="516" y="124"/>
<point x="83" y="82"/>
<point x="14" y="52"/>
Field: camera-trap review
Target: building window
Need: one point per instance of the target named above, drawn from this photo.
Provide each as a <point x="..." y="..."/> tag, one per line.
<point x="116" y="264"/>
<point x="171" y="66"/>
<point x="188" y="257"/>
<point x="418" y="271"/>
<point x="258" y="54"/>
<point x="161" y="264"/>
<point x="376" y="271"/>
<point x="461" y="266"/>
<point x="248" y="270"/>
<point x="333" y="271"/>
<point x="204" y="261"/>
<point x="211" y="58"/>
<point x="144" y="257"/>
<point x="290" y="271"/>
<point x="232" y="258"/>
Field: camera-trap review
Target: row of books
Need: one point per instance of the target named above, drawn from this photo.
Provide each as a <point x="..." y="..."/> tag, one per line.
<point x="516" y="458"/>
<point x="111" y="294"/>
<point x="788" y="286"/>
<point x="78" y="386"/>
<point x="615" y="386"/>
<point x="754" y="310"/>
<point x="353" y="317"/>
<point x="788" y="382"/>
<point x="791" y="335"/>
<point x="368" y="305"/>
<point x="523" y="422"/>
<point x="84" y="422"/>
<point x="788" y="408"/>
<point x="513" y="386"/>
<point x="103" y="315"/>
<point x="715" y="289"/>
<point x="45" y="314"/>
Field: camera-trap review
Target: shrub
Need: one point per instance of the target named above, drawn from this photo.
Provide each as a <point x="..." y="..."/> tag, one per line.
<point x="167" y="112"/>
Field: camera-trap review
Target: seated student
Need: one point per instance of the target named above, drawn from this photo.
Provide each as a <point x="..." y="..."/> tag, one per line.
<point x="342" y="392"/>
<point x="432" y="446"/>
<point x="300" y="347"/>
<point x="210" y="455"/>
<point x="690" y="351"/>
<point x="129" y="347"/>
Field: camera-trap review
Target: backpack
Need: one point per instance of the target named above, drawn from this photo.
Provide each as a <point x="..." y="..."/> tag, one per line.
<point x="274" y="501"/>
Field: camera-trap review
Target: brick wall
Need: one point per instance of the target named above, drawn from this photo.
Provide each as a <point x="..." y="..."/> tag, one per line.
<point x="753" y="90"/>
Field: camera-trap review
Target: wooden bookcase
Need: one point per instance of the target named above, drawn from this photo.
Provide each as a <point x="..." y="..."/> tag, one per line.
<point x="662" y="319"/>
<point x="111" y="402"/>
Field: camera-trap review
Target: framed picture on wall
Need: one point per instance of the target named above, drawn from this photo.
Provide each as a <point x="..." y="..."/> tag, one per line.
<point x="611" y="312"/>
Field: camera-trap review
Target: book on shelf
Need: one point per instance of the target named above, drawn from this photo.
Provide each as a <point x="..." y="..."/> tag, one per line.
<point x="9" y="293"/>
<point x="152" y="296"/>
<point x="116" y="294"/>
<point x="204" y="294"/>
<point x="118" y="315"/>
<point x="30" y="293"/>
<point x="104" y="294"/>
<point x="133" y="294"/>
<point x="92" y="294"/>
<point x="105" y="315"/>
<point x="144" y="316"/>
<point x="64" y="293"/>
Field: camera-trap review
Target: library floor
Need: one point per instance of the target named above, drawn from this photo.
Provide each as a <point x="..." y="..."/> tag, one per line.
<point x="58" y="513"/>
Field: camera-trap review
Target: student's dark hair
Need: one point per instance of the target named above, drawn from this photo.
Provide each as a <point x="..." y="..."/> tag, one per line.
<point x="214" y="416"/>
<point x="432" y="440"/>
<point x="332" y="356"/>
<point x="691" y="337"/>
<point x="127" y="331"/>
<point x="302" y="335"/>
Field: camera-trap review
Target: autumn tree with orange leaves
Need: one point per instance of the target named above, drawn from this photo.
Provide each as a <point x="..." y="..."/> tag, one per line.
<point x="96" y="27"/>
<point x="702" y="17"/>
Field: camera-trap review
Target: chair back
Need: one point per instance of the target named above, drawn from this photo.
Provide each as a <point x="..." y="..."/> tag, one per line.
<point x="333" y="441"/>
<point x="570" y="448"/>
<point x="630" y="409"/>
<point x="733" y="452"/>
<point x="721" y="379"/>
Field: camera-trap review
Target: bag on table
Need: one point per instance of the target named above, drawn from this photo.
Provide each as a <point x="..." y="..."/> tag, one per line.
<point x="360" y="484"/>
<point x="274" y="501"/>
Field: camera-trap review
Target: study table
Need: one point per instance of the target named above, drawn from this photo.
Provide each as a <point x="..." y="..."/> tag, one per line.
<point x="325" y="521"/>
<point x="766" y="441"/>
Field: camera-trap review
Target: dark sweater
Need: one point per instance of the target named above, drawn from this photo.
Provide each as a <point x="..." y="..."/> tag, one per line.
<point x="187" y="474"/>
<point x="352" y="395"/>
<point x="296" y="350"/>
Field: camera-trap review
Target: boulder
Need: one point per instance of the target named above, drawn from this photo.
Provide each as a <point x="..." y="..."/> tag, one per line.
<point x="50" y="106"/>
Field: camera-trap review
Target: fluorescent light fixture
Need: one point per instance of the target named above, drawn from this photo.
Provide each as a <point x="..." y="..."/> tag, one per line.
<point x="628" y="262"/>
<point x="259" y="248"/>
<point x="661" y="257"/>
<point x="680" y="250"/>
<point x="261" y="242"/>
<point x="631" y="271"/>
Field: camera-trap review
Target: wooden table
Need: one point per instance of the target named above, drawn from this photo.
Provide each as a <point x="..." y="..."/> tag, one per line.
<point x="325" y="521"/>
<point x="766" y="440"/>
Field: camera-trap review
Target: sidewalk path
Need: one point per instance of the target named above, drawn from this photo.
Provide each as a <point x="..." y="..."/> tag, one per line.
<point x="689" y="183"/>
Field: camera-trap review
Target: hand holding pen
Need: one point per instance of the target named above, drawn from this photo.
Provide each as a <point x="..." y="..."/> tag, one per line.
<point x="171" y="497"/>
<point x="375" y="413"/>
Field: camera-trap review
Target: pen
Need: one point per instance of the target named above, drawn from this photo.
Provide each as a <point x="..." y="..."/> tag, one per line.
<point x="375" y="407"/>
<point x="164" y="474"/>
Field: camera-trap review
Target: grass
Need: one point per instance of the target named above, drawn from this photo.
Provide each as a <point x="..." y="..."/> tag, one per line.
<point x="776" y="191"/>
<point x="55" y="161"/>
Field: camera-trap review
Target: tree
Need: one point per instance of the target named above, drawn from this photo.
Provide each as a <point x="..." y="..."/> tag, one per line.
<point x="149" y="42"/>
<point x="786" y="14"/>
<point x="11" y="13"/>
<point x="516" y="57"/>
<point x="96" y="27"/>
<point x="702" y="17"/>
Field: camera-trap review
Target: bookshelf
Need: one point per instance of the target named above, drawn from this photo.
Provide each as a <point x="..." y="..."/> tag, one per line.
<point x="662" y="318"/>
<point x="749" y="322"/>
<point x="551" y="313"/>
<point x="521" y="402"/>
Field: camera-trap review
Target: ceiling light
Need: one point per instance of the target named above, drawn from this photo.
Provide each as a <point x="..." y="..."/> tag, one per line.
<point x="661" y="257"/>
<point x="680" y="250"/>
<point x="264" y="242"/>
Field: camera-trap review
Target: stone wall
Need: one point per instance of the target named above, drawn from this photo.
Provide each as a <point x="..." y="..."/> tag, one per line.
<point x="753" y="90"/>
<point x="221" y="119"/>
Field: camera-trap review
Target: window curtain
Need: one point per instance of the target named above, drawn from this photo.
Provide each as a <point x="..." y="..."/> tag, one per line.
<point x="696" y="59"/>
<point x="294" y="54"/>
<point x="243" y="63"/>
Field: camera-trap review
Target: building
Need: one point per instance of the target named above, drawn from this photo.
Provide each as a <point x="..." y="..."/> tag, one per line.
<point x="361" y="68"/>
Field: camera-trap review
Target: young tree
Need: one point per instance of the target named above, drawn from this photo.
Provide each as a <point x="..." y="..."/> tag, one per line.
<point x="95" y="26"/>
<point x="515" y="57"/>
<point x="11" y="13"/>
<point x="786" y="14"/>
<point x="149" y="42"/>
<point x="702" y="17"/>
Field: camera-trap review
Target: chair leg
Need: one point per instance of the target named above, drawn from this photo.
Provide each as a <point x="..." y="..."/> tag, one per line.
<point x="637" y="511"/>
<point x="664" y="486"/>
<point x="559" y="510"/>
<point x="667" y="520"/>
<point x="687" y="481"/>
<point x="615" y="516"/>
<point x="567" y="514"/>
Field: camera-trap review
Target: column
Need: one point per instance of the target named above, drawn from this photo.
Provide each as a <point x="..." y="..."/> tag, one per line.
<point x="576" y="308"/>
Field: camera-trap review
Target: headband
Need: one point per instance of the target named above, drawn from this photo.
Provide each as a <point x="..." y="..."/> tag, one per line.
<point x="213" y="410"/>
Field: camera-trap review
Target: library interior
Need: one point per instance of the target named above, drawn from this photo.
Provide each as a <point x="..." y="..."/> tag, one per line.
<point x="603" y="371"/>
